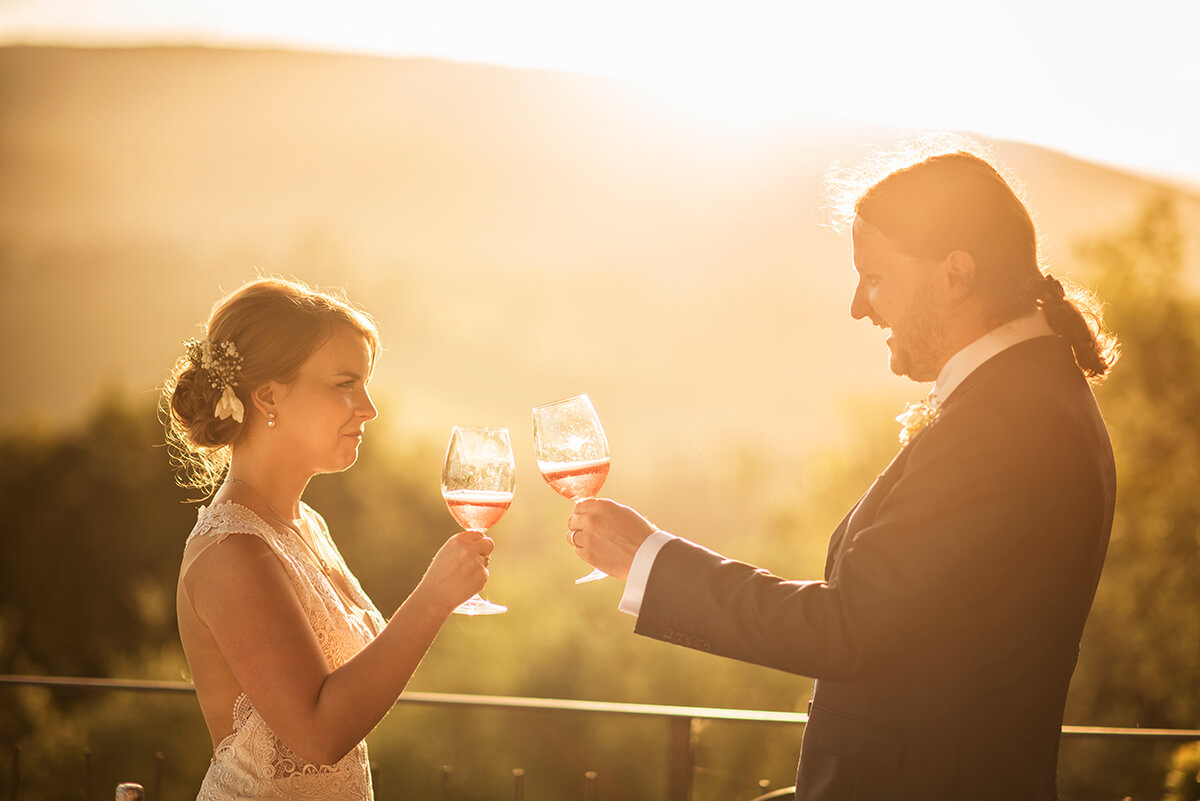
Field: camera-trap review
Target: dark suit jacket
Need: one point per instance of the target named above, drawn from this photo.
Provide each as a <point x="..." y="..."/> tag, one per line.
<point x="947" y="627"/>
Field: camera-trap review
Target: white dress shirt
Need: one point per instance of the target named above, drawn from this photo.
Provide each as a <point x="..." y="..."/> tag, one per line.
<point x="952" y="374"/>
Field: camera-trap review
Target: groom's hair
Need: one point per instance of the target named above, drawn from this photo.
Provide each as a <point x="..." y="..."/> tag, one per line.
<point x="958" y="201"/>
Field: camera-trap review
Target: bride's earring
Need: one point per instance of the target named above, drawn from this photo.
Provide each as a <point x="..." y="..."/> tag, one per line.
<point x="270" y="419"/>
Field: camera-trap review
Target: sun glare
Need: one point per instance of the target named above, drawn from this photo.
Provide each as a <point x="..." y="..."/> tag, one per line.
<point x="1032" y="71"/>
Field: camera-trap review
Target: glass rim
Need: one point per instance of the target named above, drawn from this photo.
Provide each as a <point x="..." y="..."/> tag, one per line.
<point x="489" y="429"/>
<point x="561" y="401"/>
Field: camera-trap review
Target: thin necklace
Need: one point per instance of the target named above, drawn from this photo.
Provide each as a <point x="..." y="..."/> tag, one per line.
<point x="291" y="526"/>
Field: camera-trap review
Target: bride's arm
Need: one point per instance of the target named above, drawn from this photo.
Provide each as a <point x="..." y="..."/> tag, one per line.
<point x="241" y="592"/>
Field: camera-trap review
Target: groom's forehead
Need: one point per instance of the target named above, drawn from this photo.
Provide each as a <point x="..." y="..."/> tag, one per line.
<point x="865" y="240"/>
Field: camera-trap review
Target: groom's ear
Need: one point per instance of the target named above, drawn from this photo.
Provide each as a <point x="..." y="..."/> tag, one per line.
<point x="959" y="272"/>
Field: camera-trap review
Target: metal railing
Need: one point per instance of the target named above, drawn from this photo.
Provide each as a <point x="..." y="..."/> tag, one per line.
<point x="680" y="720"/>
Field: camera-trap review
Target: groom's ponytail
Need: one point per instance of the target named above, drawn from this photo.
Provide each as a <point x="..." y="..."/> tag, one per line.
<point x="1075" y="315"/>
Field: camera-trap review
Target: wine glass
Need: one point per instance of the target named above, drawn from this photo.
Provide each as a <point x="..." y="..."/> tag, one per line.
<point x="572" y="452"/>
<point x="478" y="479"/>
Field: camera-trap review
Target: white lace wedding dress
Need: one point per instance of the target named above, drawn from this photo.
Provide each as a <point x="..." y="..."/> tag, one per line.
<point x="251" y="763"/>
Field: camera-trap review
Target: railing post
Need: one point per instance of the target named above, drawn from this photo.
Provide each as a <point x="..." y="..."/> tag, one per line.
<point x="589" y="786"/>
<point x="87" y="774"/>
<point x="156" y="782"/>
<point x="16" y="772"/>
<point x="680" y="759"/>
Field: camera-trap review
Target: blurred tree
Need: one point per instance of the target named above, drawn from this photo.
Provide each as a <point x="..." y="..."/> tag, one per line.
<point x="1183" y="782"/>
<point x="1140" y="654"/>
<point x="94" y="528"/>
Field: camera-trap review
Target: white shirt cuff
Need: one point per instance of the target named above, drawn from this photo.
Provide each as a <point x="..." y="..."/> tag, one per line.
<point x="639" y="572"/>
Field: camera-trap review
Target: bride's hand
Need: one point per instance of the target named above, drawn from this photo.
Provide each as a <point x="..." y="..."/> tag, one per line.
<point x="459" y="570"/>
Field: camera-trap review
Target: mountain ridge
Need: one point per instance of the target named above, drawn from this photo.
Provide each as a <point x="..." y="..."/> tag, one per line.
<point x="521" y="235"/>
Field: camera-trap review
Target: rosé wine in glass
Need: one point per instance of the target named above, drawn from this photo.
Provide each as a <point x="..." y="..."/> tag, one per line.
<point x="572" y="451"/>
<point x="575" y="480"/>
<point x="477" y="510"/>
<point x="478" y="479"/>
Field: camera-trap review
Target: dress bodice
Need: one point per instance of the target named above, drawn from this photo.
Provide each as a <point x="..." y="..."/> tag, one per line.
<point x="251" y="762"/>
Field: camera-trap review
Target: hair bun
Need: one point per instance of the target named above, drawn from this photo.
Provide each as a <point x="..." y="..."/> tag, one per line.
<point x="192" y="404"/>
<point x="263" y="331"/>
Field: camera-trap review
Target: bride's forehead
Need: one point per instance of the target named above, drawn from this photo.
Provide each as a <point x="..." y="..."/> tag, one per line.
<point x="345" y="347"/>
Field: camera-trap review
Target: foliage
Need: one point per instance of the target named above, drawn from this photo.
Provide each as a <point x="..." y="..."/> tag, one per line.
<point x="1141" y="650"/>
<point x="1183" y="781"/>
<point x="92" y="520"/>
<point x="95" y="527"/>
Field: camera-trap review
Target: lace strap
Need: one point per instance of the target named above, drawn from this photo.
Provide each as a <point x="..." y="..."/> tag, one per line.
<point x="216" y="522"/>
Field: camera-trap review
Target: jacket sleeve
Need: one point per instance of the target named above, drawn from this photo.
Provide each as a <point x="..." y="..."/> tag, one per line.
<point x="984" y="524"/>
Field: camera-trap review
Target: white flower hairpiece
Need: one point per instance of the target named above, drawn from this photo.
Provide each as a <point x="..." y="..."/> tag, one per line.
<point x="222" y="363"/>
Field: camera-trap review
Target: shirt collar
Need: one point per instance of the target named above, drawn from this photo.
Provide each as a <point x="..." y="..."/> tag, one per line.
<point x="965" y="362"/>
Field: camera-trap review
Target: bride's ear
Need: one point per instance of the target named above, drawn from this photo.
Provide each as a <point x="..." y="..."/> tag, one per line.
<point x="264" y="399"/>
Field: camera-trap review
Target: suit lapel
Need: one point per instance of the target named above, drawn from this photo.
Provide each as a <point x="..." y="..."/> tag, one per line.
<point x="864" y="512"/>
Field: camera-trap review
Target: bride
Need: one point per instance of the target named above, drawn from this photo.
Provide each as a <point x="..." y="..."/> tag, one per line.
<point x="293" y="664"/>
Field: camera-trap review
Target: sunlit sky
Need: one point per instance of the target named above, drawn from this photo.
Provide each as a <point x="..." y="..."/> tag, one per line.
<point x="1113" y="83"/>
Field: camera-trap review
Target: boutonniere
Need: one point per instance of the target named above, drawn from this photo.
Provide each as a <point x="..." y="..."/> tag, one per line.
<point x="916" y="416"/>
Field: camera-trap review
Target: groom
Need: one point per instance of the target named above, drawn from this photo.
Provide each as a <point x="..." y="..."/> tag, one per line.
<point x="946" y="628"/>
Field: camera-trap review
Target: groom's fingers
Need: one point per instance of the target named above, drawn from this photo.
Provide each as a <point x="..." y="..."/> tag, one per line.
<point x="607" y="534"/>
<point x="579" y="519"/>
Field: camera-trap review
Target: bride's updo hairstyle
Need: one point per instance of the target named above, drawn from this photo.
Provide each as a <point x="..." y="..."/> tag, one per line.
<point x="274" y="325"/>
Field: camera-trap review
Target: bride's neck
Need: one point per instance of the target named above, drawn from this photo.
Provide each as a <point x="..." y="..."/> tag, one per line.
<point x="274" y="484"/>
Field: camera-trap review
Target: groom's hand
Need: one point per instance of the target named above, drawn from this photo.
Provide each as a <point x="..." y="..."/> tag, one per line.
<point x="607" y="535"/>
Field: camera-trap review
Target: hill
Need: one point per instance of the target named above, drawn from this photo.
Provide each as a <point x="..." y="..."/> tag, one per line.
<point x="520" y="236"/>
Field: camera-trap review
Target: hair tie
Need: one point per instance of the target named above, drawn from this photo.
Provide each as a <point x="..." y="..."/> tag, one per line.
<point x="1053" y="289"/>
<point x="222" y="363"/>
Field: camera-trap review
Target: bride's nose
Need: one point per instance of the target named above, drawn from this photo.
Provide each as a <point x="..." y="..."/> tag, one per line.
<point x="366" y="407"/>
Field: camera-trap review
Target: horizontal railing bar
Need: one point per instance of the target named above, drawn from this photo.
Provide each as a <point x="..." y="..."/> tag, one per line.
<point x="568" y="705"/>
<point x="134" y="685"/>
<point x="571" y="705"/>
<point x="453" y="699"/>
<point x="1108" y="731"/>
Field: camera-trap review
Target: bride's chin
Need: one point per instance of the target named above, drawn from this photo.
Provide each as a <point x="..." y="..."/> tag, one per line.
<point x="348" y="461"/>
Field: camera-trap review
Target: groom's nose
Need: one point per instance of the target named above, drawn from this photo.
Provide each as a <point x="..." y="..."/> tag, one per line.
<point x="860" y="307"/>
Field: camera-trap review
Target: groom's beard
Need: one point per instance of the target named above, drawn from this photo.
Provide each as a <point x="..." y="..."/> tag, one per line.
<point x="918" y="347"/>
